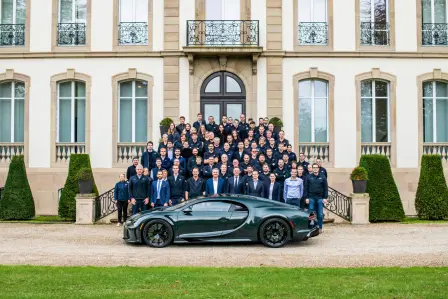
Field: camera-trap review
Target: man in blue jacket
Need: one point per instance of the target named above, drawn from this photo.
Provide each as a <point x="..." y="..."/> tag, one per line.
<point x="215" y="185"/>
<point x="139" y="190"/>
<point x="160" y="192"/>
<point x="121" y="197"/>
<point x="316" y="193"/>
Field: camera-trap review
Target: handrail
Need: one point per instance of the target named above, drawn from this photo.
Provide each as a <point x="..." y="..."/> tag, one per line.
<point x="104" y="204"/>
<point x="338" y="204"/>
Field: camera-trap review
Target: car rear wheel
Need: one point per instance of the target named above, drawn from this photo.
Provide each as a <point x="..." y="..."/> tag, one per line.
<point x="158" y="233"/>
<point x="274" y="233"/>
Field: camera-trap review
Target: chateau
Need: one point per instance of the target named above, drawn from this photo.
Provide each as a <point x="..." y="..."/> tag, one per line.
<point x="347" y="77"/>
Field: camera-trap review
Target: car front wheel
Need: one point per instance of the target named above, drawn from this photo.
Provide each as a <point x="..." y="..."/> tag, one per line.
<point x="274" y="233"/>
<point x="158" y="233"/>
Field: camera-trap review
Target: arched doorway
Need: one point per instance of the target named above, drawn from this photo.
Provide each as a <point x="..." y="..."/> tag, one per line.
<point x="223" y="93"/>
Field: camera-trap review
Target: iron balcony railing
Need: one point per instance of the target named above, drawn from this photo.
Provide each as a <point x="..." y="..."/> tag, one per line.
<point x="133" y="33"/>
<point x="222" y="33"/>
<point x="339" y="204"/>
<point x="71" y="34"/>
<point x="374" y="34"/>
<point x="105" y="205"/>
<point x="12" y="34"/>
<point x="434" y="34"/>
<point x="313" y="33"/>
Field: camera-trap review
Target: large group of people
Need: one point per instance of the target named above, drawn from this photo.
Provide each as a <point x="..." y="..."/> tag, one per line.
<point x="234" y="157"/>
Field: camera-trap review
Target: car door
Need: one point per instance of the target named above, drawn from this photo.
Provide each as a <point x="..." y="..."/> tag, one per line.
<point x="203" y="219"/>
<point x="239" y="215"/>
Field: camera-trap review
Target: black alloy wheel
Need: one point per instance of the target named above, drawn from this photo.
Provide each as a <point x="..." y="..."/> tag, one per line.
<point x="158" y="233"/>
<point x="274" y="233"/>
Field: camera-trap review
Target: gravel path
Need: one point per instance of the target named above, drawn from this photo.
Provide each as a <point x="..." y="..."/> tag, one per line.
<point x="339" y="246"/>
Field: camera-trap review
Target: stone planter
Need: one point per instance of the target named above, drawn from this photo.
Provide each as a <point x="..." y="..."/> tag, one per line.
<point x="359" y="186"/>
<point x="85" y="187"/>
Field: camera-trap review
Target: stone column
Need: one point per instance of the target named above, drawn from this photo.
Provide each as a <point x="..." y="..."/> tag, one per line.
<point x="85" y="208"/>
<point x="359" y="210"/>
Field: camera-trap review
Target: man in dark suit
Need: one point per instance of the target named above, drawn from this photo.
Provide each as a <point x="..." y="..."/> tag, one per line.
<point x="160" y="192"/>
<point x="177" y="187"/>
<point x="215" y="185"/>
<point x="195" y="186"/>
<point x="255" y="187"/>
<point x="132" y="170"/>
<point x="139" y="190"/>
<point x="197" y="124"/>
<point x="272" y="189"/>
<point x="235" y="183"/>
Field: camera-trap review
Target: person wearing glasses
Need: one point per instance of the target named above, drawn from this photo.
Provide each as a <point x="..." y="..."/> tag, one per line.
<point x="316" y="193"/>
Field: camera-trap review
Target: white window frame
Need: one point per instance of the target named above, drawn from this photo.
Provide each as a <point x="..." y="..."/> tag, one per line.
<point x="14" y="12"/>
<point x="372" y="20"/>
<point x="13" y="98"/>
<point x="72" y="110"/>
<point x="74" y="19"/>
<point x="434" y="99"/>
<point x="312" y="12"/>
<point x="313" y="103"/>
<point x="133" y="98"/>
<point x="374" y="97"/>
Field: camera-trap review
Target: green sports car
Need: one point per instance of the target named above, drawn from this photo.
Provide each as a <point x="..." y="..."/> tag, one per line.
<point x="223" y="218"/>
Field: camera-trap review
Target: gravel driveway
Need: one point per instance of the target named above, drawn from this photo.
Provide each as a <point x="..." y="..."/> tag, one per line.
<point x="339" y="246"/>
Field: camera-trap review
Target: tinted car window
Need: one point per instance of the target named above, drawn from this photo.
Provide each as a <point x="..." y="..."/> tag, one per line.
<point x="238" y="208"/>
<point x="211" y="206"/>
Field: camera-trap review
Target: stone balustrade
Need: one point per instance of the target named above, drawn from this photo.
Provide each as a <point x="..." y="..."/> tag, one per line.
<point x="9" y="150"/>
<point x="65" y="150"/>
<point x="127" y="151"/>
<point x="315" y="150"/>
<point x="376" y="148"/>
<point x="440" y="148"/>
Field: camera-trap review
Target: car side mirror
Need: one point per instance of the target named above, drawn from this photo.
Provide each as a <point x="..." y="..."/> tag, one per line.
<point x="187" y="210"/>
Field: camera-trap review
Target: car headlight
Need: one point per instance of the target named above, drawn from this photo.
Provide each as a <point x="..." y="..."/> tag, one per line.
<point x="129" y="223"/>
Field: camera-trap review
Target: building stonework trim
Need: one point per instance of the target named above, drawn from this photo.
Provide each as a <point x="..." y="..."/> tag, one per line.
<point x="69" y="75"/>
<point x="54" y="30"/>
<point x="377" y="74"/>
<point x="131" y="74"/>
<point x="314" y="73"/>
<point x="10" y="75"/>
<point x="171" y="27"/>
<point x="132" y="48"/>
<point x="206" y="66"/>
<point x="420" y="47"/>
<point x="435" y="75"/>
<point x="274" y="87"/>
<point x="274" y="39"/>
<point x="329" y="46"/>
<point x="25" y="48"/>
<point x="391" y="46"/>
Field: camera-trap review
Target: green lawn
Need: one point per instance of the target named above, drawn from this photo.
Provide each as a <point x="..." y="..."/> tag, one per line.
<point x="164" y="282"/>
<point x="416" y="220"/>
<point x="43" y="220"/>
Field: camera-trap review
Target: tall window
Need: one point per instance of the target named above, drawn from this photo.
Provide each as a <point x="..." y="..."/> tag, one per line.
<point x="435" y="111"/>
<point x="375" y="111"/>
<point x="72" y="22"/>
<point x="12" y="22"/>
<point x="133" y="25"/>
<point x="313" y="22"/>
<point x="434" y="27"/>
<point x="133" y="111"/>
<point x="374" y="16"/>
<point x="71" y="112"/>
<point x="313" y="111"/>
<point x="12" y="105"/>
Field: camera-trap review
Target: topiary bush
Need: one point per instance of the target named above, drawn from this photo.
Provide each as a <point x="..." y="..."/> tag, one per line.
<point x="431" y="199"/>
<point x="17" y="200"/>
<point x="385" y="202"/>
<point x="67" y="204"/>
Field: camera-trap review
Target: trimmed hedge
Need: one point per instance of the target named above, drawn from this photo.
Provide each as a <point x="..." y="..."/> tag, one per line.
<point x="385" y="202"/>
<point x="67" y="204"/>
<point x="431" y="199"/>
<point x="17" y="200"/>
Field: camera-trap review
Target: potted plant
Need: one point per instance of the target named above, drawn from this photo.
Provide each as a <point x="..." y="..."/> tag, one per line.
<point x="277" y="122"/>
<point x="85" y="181"/>
<point x="359" y="179"/>
<point x="164" y="125"/>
